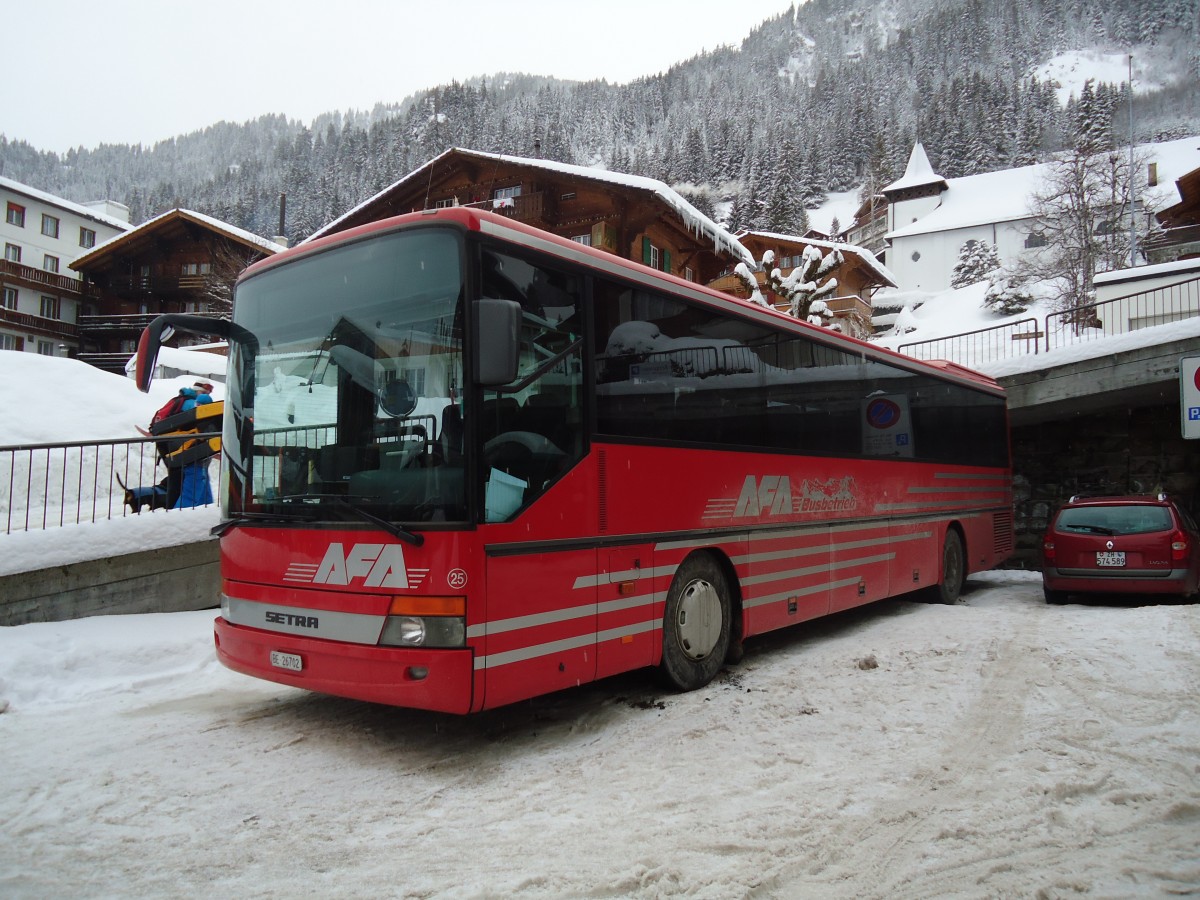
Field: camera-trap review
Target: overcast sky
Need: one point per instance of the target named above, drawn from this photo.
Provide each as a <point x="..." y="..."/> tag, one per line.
<point x="83" y="72"/>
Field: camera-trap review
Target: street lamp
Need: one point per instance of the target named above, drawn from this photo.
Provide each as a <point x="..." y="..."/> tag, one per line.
<point x="1132" y="178"/>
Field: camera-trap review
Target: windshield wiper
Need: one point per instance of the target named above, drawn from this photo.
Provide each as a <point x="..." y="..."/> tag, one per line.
<point x="1094" y="529"/>
<point x="342" y="501"/>
<point x="256" y="518"/>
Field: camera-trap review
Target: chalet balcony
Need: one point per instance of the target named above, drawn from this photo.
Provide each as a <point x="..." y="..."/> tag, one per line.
<point x="38" y="325"/>
<point x="131" y="324"/>
<point x="149" y="285"/>
<point x="1171" y="244"/>
<point x="728" y="284"/>
<point x="40" y="279"/>
<point x="531" y="209"/>
<point x="109" y="362"/>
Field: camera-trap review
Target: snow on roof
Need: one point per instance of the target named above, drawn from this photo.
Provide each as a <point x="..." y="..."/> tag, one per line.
<point x="241" y="234"/>
<point x="918" y="173"/>
<point x="1139" y="272"/>
<point x="868" y="258"/>
<point x="1003" y="196"/>
<point x="695" y="220"/>
<point x="246" y="237"/>
<point x="76" y="208"/>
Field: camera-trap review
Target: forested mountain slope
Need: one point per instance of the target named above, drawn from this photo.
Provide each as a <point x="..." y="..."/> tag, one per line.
<point x="826" y="96"/>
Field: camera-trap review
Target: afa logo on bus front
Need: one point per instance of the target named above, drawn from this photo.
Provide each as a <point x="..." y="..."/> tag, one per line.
<point x="883" y="413"/>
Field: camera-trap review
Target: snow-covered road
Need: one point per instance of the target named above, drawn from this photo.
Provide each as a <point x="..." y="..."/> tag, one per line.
<point x="995" y="748"/>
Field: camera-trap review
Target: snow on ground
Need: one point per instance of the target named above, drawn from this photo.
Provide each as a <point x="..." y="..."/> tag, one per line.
<point x="49" y="400"/>
<point x="1000" y="747"/>
<point x="1069" y="71"/>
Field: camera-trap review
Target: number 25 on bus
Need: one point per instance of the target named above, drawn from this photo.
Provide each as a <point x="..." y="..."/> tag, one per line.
<point x="467" y="462"/>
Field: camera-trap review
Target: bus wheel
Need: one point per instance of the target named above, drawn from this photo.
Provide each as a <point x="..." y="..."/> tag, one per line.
<point x="949" y="588"/>
<point x="696" y="624"/>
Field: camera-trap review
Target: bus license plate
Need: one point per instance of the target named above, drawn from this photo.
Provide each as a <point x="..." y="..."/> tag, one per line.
<point x="1110" y="558"/>
<point x="290" y="661"/>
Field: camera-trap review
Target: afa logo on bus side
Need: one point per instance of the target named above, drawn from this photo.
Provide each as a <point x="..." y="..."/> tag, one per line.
<point x="773" y="495"/>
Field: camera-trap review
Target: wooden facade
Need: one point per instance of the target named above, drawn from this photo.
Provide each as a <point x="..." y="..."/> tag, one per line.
<point x="635" y="218"/>
<point x="1180" y="235"/>
<point x="178" y="262"/>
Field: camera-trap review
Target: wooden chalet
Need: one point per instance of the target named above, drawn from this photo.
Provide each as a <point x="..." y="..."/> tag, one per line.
<point x="1180" y="235"/>
<point x="859" y="276"/>
<point x="869" y="226"/>
<point x="178" y="262"/>
<point x="636" y="218"/>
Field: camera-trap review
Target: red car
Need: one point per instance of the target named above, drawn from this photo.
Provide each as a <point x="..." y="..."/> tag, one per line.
<point x="1121" y="545"/>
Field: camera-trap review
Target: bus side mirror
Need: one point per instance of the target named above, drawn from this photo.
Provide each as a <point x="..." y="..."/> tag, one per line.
<point x="165" y="325"/>
<point x="498" y="344"/>
<point x="147" y="351"/>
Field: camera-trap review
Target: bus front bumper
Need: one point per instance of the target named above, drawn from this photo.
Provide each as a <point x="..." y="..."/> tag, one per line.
<point x="439" y="680"/>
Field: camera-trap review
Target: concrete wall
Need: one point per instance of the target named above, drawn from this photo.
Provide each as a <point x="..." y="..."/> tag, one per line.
<point x="167" y="580"/>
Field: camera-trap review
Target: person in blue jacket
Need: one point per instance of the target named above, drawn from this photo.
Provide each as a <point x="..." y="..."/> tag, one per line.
<point x="195" y="489"/>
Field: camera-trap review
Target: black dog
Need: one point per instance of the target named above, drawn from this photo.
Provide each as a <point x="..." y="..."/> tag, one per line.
<point x="139" y="498"/>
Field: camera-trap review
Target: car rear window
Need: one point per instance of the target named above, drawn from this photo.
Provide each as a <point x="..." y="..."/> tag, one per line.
<point x="1115" y="519"/>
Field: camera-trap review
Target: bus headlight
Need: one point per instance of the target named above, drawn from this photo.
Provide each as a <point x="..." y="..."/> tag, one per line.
<point x="425" y="622"/>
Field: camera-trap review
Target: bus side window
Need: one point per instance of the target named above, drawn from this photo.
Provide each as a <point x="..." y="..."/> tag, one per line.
<point x="533" y="432"/>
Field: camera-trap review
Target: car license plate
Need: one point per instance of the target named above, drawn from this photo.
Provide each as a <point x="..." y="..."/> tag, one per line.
<point x="1110" y="558"/>
<point x="290" y="661"/>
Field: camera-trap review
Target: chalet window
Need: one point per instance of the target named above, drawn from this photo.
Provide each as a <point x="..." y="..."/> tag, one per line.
<point x="16" y="215"/>
<point x="195" y="269"/>
<point x="49" y="226"/>
<point x="10" y="298"/>
<point x="12" y="253"/>
<point x="50" y="308"/>
<point x="568" y="196"/>
<point x="689" y="274"/>
<point x="445" y="204"/>
<point x="585" y="239"/>
<point x="655" y="257"/>
<point x="46" y="348"/>
<point x="10" y="342"/>
<point x="87" y="237"/>
<point x="50" y="263"/>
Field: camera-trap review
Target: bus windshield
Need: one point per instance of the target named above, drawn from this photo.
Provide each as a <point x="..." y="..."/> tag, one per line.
<point x="345" y="385"/>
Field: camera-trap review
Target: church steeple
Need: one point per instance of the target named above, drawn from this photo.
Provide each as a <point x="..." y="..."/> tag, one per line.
<point x="919" y="179"/>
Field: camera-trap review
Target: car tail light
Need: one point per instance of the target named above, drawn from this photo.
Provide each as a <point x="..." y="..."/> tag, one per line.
<point x="1048" y="551"/>
<point x="1179" y="547"/>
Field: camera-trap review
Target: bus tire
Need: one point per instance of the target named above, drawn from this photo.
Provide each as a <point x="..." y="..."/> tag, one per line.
<point x="696" y="624"/>
<point x="949" y="586"/>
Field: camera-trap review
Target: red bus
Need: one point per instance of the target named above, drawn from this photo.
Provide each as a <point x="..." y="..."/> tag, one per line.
<point x="467" y="462"/>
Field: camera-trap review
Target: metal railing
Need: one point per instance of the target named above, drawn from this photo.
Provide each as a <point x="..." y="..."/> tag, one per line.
<point x="1106" y="318"/>
<point x="50" y="485"/>
<point x="976" y="348"/>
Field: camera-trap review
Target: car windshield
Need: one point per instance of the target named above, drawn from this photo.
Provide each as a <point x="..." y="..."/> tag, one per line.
<point x="345" y="384"/>
<point x="1124" y="519"/>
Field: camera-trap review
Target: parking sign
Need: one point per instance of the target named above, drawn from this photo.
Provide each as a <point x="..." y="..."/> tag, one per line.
<point x="1189" y="395"/>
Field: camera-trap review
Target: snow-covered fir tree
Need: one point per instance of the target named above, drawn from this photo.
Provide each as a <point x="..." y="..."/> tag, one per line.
<point x="976" y="261"/>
